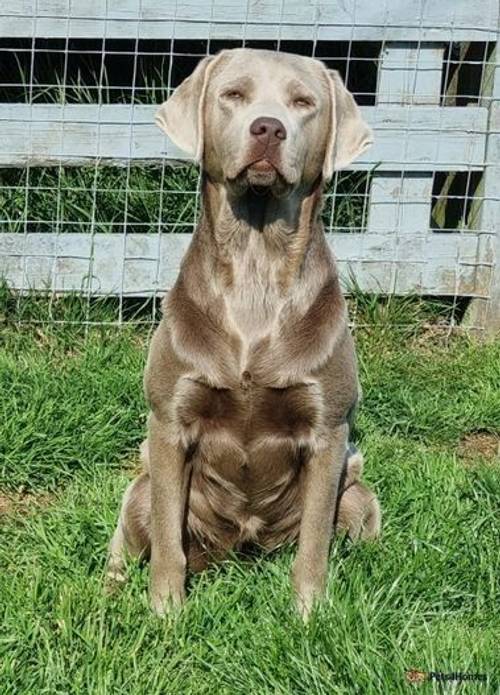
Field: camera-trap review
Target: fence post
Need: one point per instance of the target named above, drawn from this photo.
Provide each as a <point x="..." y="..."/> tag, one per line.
<point x="400" y="201"/>
<point x="483" y="313"/>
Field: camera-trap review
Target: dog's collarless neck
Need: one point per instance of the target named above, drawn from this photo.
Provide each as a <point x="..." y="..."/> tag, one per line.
<point x="230" y="220"/>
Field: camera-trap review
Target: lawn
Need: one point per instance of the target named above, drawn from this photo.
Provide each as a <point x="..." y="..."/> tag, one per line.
<point x="425" y="596"/>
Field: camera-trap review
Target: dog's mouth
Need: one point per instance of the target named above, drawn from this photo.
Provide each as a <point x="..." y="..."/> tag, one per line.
<point x="261" y="166"/>
<point x="262" y="172"/>
<point x="263" y="175"/>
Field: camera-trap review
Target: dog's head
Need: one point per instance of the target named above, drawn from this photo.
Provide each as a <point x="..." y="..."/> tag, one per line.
<point x="265" y="119"/>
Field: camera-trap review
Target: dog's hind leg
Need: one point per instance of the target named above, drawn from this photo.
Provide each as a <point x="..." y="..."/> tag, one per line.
<point x="372" y="521"/>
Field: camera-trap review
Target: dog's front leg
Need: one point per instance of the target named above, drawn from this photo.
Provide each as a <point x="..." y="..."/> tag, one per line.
<point x="169" y="478"/>
<point x="316" y="527"/>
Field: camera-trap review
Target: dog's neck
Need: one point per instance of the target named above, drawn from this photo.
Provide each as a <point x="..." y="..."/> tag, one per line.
<point x="257" y="274"/>
<point x="229" y="213"/>
<point x="254" y="257"/>
<point x="236" y="217"/>
<point x="273" y="235"/>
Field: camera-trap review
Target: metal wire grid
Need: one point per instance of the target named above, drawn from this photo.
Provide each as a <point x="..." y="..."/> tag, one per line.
<point x="456" y="195"/>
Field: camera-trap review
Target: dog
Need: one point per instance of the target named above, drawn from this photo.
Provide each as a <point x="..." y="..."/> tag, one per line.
<point x="251" y="376"/>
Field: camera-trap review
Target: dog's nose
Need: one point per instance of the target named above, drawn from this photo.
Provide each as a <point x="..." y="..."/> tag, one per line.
<point x="270" y="131"/>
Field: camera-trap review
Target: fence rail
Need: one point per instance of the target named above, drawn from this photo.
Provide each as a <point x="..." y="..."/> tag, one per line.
<point x="144" y="264"/>
<point x="75" y="135"/>
<point x="332" y="20"/>
<point x="419" y="137"/>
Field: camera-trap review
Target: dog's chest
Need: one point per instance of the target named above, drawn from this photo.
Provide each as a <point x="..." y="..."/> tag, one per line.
<point x="249" y="419"/>
<point x="249" y="447"/>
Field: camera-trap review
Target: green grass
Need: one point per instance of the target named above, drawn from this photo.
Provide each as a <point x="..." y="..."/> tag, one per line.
<point x="138" y="198"/>
<point x="426" y="596"/>
<point x="98" y="199"/>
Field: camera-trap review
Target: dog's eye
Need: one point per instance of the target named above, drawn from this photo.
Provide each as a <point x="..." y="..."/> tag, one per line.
<point x="233" y="94"/>
<point x="303" y="102"/>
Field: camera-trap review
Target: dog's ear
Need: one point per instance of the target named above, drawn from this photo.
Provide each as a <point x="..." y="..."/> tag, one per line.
<point x="181" y="116"/>
<point x="349" y="135"/>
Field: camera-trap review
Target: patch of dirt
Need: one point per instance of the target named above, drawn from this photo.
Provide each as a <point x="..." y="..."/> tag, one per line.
<point x="23" y="502"/>
<point x="5" y="504"/>
<point x="480" y="445"/>
<point x="439" y="334"/>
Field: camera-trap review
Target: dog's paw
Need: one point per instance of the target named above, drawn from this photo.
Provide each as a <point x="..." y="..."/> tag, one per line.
<point x="308" y="592"/>
<point x="306" y="597"/>
<point x="167" y="596"/>
<point x="114" y="578"/>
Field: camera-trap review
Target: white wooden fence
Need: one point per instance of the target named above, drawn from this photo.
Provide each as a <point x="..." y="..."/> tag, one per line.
<point x="416" y="135"/>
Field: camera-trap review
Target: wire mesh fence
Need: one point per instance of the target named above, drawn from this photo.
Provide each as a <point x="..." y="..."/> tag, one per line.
<point x="96" y="203"/>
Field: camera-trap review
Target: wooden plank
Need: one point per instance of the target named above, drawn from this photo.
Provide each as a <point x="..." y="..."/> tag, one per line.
<point x="400" y="202"/>
<point x="410" y="73"/>
<point x="484" y="314"/>
<point x="338" y="20"/>
<point x="143" y="264"/>
<point x="416" y="139"/>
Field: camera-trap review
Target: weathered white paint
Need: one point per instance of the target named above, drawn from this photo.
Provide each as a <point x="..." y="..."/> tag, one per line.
<point x="424" y="138"/>
<point x="365" y="20"/>
<point x="400" y="202"/>
<point x="143" y="264"/>
<point x="485" y="313"/>
<point x="409" y="73"/>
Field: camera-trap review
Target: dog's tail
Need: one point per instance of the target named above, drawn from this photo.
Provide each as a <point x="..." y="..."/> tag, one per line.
<point x="354" y="463"/>
<point x="144" y="455"/>
<point x="351" y="471"/>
